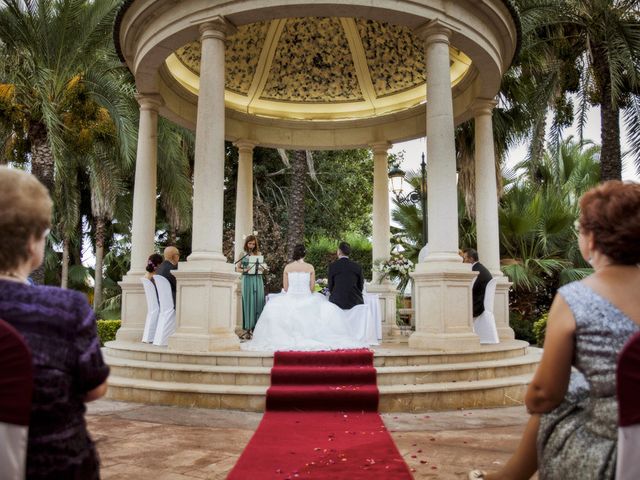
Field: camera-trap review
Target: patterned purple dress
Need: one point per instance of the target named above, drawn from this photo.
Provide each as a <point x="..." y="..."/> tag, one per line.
<point x="60" y="329"/>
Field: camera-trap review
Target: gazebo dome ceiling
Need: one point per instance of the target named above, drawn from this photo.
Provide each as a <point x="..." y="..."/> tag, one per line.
<point x="319" y="68"/>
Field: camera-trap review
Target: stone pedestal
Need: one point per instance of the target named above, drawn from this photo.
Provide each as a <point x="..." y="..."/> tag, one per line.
<point x="239" y="328"/>
<point x="443" y="307"/>
<point x="206" y="307"/>
<point x="133" y="311"/>
<point x="387" y="292"/>
<point x="501" y="308"/>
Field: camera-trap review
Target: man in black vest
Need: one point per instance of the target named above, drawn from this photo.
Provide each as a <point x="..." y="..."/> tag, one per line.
<point x="171" y="259"/>
<point x="345" y="280"/>
<point x="469" y="255"/>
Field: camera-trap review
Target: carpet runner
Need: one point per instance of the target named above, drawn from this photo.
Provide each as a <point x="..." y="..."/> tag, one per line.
<point x="321" y="422"/>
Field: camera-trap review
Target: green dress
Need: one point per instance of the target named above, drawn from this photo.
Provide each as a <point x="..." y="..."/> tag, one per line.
<point x="252" y="297"/>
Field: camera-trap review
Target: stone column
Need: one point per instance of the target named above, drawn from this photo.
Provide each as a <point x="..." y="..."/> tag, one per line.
<point x="143" y="223"/>
<point x="442" y="302"/>
<point x="487" y="226"/>
<point x="208" y="173"/>
<point x="244" y="195"/>
<point x="244" y="210"/>
<point x="381" y="221"/>
<point x="206" y="298"/>
<point x="381" y="238"/>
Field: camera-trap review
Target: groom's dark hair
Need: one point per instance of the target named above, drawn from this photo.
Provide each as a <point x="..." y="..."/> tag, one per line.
<point x="345" y="248"/>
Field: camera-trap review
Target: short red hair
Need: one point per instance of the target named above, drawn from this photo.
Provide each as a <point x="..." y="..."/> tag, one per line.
<point x="611" y="211"/>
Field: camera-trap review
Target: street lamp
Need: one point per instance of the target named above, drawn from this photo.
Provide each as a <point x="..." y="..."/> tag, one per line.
<point x="397" y="177"/>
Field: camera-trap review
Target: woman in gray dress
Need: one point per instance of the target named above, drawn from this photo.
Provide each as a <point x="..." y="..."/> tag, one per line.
<point x="572" y="431"/>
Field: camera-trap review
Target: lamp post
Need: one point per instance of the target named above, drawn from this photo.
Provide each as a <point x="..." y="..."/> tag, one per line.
<point x="397" y="177"/>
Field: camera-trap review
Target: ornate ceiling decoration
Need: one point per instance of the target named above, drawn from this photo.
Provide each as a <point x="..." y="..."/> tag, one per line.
<point x="312" y="63"/>
<point x="319" y="68"/>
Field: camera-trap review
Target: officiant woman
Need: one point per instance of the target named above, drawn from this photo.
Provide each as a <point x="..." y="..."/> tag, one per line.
<point x="252" y="286"/>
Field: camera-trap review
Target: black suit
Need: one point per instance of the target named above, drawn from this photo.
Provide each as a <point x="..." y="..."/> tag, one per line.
<point x="345" y="283"/>
<point x="165" y="270"/>
<point x="479" y="287"/>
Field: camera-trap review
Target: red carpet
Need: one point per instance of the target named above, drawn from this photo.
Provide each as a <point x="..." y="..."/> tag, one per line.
<point x="322" y="422"/>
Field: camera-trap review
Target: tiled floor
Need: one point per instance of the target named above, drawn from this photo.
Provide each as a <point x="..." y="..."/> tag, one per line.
<point x="171" y="443"/>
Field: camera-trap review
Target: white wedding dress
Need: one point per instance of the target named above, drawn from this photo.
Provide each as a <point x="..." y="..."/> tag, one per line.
<point x="301" y="320"/>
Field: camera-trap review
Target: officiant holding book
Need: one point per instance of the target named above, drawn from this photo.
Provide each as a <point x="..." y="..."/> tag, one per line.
<point x="252" y="266"/>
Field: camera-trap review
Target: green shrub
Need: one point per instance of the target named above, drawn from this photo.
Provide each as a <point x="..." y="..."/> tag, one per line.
<point x="321" y="251"/>
<point x="540" y="329"/>
<point x="522" y="327"/>
<point x="107" y="330"/>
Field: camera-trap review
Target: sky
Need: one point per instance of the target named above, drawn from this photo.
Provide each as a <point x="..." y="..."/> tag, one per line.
<point x="414" y="148"/>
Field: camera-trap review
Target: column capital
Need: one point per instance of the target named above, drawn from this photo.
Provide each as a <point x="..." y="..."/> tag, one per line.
<point x="434" y="31"/>
<point x="483" y="106"/>
<point x="380" y="147"/>
<point x="245" y="146"/>
<point x="149" y="101"/>
<point x="216" y="27"/>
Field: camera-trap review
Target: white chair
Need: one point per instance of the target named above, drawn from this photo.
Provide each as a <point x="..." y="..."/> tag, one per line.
<point x="373" y="301"/>
<point x="628" y="393"/>
<point x="153" y="310"/>
<point x="16" y="386"/>
<point x="484" y="325"/>
<point x="167" y="317"/>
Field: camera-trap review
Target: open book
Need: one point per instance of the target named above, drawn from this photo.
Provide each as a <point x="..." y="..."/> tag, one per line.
<point x="255" y="261"/>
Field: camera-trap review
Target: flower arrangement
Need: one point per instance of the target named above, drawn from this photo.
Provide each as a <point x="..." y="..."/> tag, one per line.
<point x="322" y="286"/>
<point x="396" y="267"/>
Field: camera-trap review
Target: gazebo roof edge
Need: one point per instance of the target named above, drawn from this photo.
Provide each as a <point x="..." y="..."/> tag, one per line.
<point x="510" y="4"/>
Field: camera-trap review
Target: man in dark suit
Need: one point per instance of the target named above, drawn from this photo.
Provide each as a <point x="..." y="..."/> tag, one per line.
<point x="171" y="259"/>
<point x="345" y="280"/>
<point x="469" y="255"/>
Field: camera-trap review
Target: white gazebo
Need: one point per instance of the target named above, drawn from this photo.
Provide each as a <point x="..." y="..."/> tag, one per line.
<point x="304" y="74"/>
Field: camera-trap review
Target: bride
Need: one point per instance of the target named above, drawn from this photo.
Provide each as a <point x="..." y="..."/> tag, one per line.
<point x="300" y="319"/>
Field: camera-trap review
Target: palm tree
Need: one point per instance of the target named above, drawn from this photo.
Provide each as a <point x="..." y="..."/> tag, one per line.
<point x="602" y="40"/>
<point x="175" y="152"/>
<point x="297" y="193"/>
<point x="56" y="59"/>
<point x="52" y="50"/>
<point x="538" y="241"/>
<point x="67" y="217"/>
<point x="408" y="235"/>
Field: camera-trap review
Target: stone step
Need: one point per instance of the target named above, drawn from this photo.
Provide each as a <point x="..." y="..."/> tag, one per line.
<point x="248" y="375"/>
<point x="495" y="392"/>
<point x="386" y="355"/>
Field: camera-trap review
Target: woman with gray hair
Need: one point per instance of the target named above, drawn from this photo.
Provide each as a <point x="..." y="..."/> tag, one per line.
<point x="59" y="328"/>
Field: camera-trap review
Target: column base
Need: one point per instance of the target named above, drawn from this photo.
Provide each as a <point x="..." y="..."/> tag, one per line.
<point x="501" y="308"/>
<point x="444" y="342"/>
<point x="207" y="257"/>
<point x="239" y="328"/>
<point x="133" y="311"/>
<point x="206" y="307"/>
<point x="443" y="307"/>
<point x="387" y="292"/>
<point x="203" y="343"/>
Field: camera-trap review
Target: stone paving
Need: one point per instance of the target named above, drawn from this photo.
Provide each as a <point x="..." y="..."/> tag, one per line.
<point x="141" y="442"/>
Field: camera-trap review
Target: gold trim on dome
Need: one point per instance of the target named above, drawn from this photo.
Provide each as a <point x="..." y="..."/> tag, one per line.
<point x="268" y="83"/>
<point x="242" y="52"/>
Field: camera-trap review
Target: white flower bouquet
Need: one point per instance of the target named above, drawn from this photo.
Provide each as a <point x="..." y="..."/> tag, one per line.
<point x="396" y="267"/>
<point x="322" y="286"/>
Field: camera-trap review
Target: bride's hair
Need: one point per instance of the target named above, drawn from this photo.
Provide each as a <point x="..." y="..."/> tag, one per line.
<point x="299" y="252"/>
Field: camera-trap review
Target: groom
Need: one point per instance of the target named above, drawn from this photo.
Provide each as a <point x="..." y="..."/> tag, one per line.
<point x="345" y="280"/>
